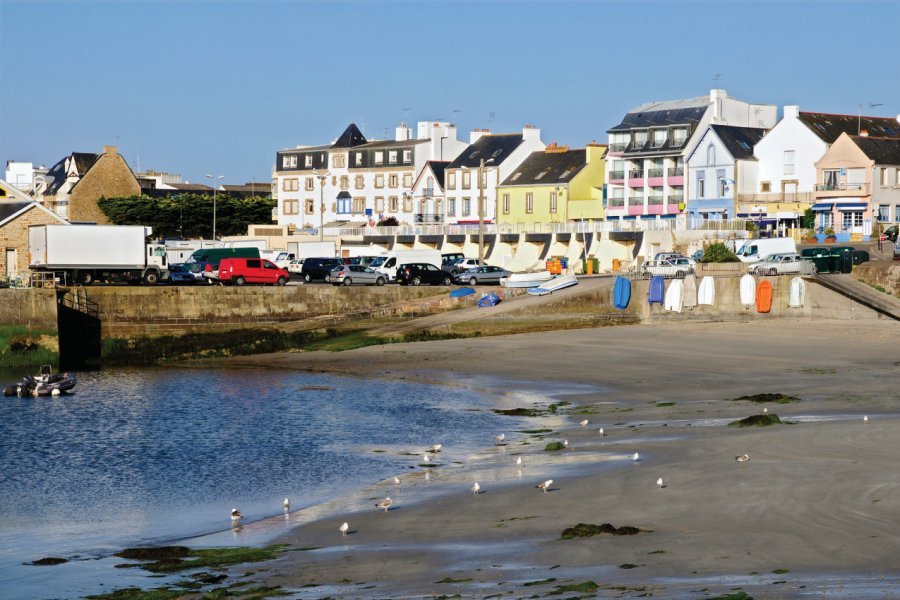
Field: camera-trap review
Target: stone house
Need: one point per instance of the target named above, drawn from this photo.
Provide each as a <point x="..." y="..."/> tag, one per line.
<point x="75" y="183"/>
<point x="15" y="218"/>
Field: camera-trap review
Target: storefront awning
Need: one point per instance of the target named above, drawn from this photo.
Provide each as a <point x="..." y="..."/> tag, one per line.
<point x="758" y="215"/>
<point x="852" y="206"/>
<point x="712" y="210"/>
<point x="787" y="215"/>
<point x="822" y="206"/>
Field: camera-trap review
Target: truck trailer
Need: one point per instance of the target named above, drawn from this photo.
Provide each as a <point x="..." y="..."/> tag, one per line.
<point x="85" y="253"/>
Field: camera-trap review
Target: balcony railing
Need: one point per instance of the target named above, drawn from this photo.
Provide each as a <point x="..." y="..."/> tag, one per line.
<point x="617" y="174"/>
<point x="675" y="198"/>
<point x="429" y="218"/>
<point x="616" y="202"/>
<point x="676" y="143"/>
<point x="839" y="187"/>
<point x="427" y="192"/>
<point x="636" y="200"/>
<point x="617" y="147"/>
<point x="655" y="200"/>
<point x="655" y="173"/>
<point x="777" y="197"/>
<point x="635" y="174"/>
<point x="676" y="172"/>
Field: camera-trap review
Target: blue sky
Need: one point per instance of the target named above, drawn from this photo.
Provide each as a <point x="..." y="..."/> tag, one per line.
<point x="197" y="87"/>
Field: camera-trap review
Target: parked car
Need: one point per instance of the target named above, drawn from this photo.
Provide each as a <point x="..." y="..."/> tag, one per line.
<point x="670" y="255"/>
<point x="897" y="250"/>
<point x="672" y="267"/>
<point x="777" y="264"/>
<point x="295" y="267"/>
<point x="252" y="270"/>
<point x="449" y="258"/>
<point x="485" y="274"/>
<point x="319" y="268"/>
<point x="459" y="265"/>
<point x="356" y="274"/>
<point x="182" y="275"/>
<point x="890" y="234"/>
<point x="419" y="273"/>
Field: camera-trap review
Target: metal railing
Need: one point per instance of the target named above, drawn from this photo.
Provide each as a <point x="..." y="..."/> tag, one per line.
<point x="777" y="197"/>
<point x="617" y="147"/>
<point x="427" y="192"/>
<point x="675" y="198"/>
<point x="636" y="174"/>
<point x="839" y="187"/>
<point x="676" y="172"/>
<point x="617" y="174"/>
<point x="77" y="299"/>
<point x="616" y="202"/>
<point x="655" y="200"/>
<point x="655" y="173"/>
<point x="429" y="218"/>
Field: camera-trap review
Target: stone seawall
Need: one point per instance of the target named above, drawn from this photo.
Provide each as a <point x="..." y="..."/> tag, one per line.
<point x="34" y="308"/>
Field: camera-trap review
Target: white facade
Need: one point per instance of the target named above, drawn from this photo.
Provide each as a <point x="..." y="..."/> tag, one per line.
<point x="428" y="194"/>
<point x="714" y="174"/>
<point x="787" y="156"/>
<point x="20" y="175"/>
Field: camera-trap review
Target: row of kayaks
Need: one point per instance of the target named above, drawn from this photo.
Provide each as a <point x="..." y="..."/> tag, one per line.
<point x="687" y="294"/>
<point x="46" y="383"/>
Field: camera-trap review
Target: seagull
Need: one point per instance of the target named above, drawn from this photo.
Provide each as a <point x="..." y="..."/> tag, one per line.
<point x="343" y="528"/>
<point x="600" y="431"/>
<point x="476" y="488"/>
<point x="501" y="438"/>
<point x="765" y="411"/>
<point x="866" y="419"/>
<point x="565" y="443"/>
<point x="545" y="485"/>
<point x="235" y="515"/>
<point x="742" y="457"/>
<point x="519" y="462"/>
<point x="584" y="423"/>
<point x="426" y="458"/>
<point x="287" y="504"/>
<point x="397" y="481"/>
<point x="635" y="457"/>
<point x="385" y="504"/>
<point x="437" y="447"/>
<point x="659" y="482"/>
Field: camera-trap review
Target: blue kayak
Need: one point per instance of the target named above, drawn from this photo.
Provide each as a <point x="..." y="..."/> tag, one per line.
<point x="461" y="292"/>
<point x="657" y="291"/>
<point x="621" y="293"/>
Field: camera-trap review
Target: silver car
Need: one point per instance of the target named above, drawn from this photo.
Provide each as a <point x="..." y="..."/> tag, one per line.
<point x="356" y="274"/>
<point x="777" y="264"/>
<point x="485" y="274"/>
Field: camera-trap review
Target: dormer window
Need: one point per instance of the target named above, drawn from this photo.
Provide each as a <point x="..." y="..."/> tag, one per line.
<point x="392" y="157"/>
<point x="359" y="159"/>
<point x="540" y="175"/>
<point x="379" y="158"/>
<point x="307" y="160"/>
<point x="516" y="176"/>
<point x="407" y="156"/>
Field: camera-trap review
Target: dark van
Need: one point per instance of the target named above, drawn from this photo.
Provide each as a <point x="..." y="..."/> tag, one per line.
<point x="251" y="270"/>
<point x="206" y="260"/>
<point x="319" y="268"/>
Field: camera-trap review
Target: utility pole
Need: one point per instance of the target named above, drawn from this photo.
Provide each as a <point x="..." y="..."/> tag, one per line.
<point x="481" y="213"/>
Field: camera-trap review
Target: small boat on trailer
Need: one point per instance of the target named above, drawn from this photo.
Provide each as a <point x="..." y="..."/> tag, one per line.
<point x="46" y="383"/>
<point x="525" y="280"/>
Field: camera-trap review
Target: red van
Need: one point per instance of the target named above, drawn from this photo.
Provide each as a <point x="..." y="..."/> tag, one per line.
<point x="251" y="270"/>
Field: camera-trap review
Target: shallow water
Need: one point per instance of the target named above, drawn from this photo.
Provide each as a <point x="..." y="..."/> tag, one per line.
<point x="149" y="456"/>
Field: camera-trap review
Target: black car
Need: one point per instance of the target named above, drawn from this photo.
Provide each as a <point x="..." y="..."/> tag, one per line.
<point x="319" y="268"/>
<point x="419" y="273"/>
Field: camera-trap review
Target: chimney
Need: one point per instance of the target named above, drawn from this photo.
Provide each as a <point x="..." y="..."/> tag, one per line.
<point x="792" y="112"/>
<point x="864" y="133"/>
<point x="594" y="152"/>
<point x="110" y="149"/>
<point x="403" y="133"/>
<point x="717" y="99"/>
<point x="531" y="133"/>
<point x="477" y="134"/>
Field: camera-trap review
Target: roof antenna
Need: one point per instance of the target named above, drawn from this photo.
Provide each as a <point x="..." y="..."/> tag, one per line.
<point x="406" y="115"/>
<point x="718" y="77"/>
<point x="859" y="116"/>
<point x="491" y="116"/>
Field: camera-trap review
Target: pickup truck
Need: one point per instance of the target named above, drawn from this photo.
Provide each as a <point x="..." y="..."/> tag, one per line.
<point x="672" y="267"/>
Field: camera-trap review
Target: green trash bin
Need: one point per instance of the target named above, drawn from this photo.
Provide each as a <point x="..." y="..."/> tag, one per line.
<point x="823" y="263"/>
<point x="810" y="252"/>
<point x="860" y="256"/>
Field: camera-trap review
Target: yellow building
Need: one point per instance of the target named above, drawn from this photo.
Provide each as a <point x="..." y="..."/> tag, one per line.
<point x="553" y="186"/>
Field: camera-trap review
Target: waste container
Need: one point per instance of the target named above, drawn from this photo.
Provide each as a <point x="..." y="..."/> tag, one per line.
<point x="810" y="252"/>
<point x="821" y="262"/>
<point x="616" y="265"/>
<point x="860" y="256"/>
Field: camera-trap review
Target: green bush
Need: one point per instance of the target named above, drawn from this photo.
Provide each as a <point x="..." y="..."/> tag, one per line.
<point x="718" y="253"/>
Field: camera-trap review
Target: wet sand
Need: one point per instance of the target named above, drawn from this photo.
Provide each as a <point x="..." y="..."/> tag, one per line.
<point x="817" y="506"/>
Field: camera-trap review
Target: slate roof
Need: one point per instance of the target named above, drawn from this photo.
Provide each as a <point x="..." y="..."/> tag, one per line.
<point x="389" y="144"/>
<point x="8" y="209"/>
<point x="493" y="148"/>
<point x="883" y="150"/>
<point x="351" y="137"/>
<point x="663" y="114"/>
<point x="438" y="167"/>
<point x="739" y="140"/>
<point x="548" y="168"/>
<point x="56" y="176"/>
<point x="830" y="127"/>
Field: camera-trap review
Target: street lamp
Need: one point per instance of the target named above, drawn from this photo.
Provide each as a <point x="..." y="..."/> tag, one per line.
<point x="322" y="177"/>
<point x="214" y="177"/>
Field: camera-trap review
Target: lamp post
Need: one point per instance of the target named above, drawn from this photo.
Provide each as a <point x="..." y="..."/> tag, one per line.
<point x="214" y="178"/>
<point x="322" y="177"/>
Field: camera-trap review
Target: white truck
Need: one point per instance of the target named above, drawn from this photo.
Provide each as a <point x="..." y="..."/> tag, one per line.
<point x="388" y="262"/>
<point x="85" y="253"/>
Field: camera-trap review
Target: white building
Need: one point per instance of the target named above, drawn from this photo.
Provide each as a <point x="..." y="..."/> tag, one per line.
<point x="502" y="154"/>
<point x="357" y="181"/>
<point x="428" y="193"/>
<point x="645" y="164"/>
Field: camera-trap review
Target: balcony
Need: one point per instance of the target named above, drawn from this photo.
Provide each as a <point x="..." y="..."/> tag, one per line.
<point x="617" y="175"/>
<point x="826" y="190"/>
<point x="616" y="203"/>
<point x="429" y="218"/>
<point x="777" y="198"/>
<point x="655" y="200"/>
<point x="427" y="192"/>
<point x="636" y="178"/>
<point x="654" y="172"/>
<point x="617" y="147"/>
<point x="676" y="198"/>
<point x="676" y="172"/>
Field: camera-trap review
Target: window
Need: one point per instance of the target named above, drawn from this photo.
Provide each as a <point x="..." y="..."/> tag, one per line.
<point x="379" y="204"/>
<point x="505" y="204"/>
<point x="291" y="207"/>
<point x="288" y="162"/>
<point x="529" y="202"/>
<point x="451" y="207"/>
<point x="407" y="203"/>
<point x="310" y="206"/>
<point x="451" y="181"/>
<point x="723" y="187"/>
<point x="393" y="181"/>
<point x="679" y="136"/>
<point x="788" y="162"/>
<point x="466" y="207"/>
<point x="392" y="157"/>
<point x="345" y="182"/>
<point x="307" y="161"/>
<point x="640" y="138"/>
<point x="339" y="160"/>
<point x="359" y="205"/>
<point x="344" y="206"/>
<point x="379" y="181"/>
<point x="765" y="187"/>
<point x="394" y="204"/>
<point x="659" y="138"/>
<point x="438" y="206"/>
<point x="290" y="185"/>
<point x="710" y="156"/>
<point x="552" y="202"/>
<point x="852" y="218"/>
<point x="379" y="158"/>
<point x="884" y="212"/>
<point x="360" y="182"/>
<point x="310" y="184"/>
<point x="466" y="180"/>
<point x="359" y="159"/>
<point x="856" y="179"/>
<point x="407" y="156"/>
<point x="700" y="187"/>
<point x="407" y="180"/>
<point x="884" y="177"/>
<point x="830" y="178"/>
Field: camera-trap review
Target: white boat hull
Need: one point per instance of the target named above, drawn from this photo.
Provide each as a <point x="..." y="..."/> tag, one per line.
<point x="557" y="283"/>
<point x="525" y="280"/>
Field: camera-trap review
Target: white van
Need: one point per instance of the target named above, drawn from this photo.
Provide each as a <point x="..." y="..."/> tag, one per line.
<point x="755" y="250"/>
<point x="387" y="263"/>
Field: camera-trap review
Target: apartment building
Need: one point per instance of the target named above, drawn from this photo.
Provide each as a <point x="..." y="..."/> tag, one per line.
<point x="645" y="172"/>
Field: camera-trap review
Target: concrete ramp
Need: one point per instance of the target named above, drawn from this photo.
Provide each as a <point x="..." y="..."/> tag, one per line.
<point x="861" y="293"/>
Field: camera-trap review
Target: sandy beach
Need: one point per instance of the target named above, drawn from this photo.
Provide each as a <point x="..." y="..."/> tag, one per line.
<point x="815" y="509"/>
